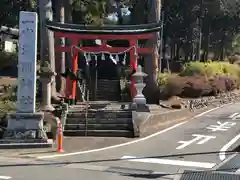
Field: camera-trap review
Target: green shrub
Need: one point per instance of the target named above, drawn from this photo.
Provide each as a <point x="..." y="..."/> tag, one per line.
<point x="173" y="87"/>
<point x="7" y="106"/>
<point x="232" y="70"/>
<point x="10" y="93"/>
<point x="162" y="78"/>
<point x="200" y="79"/>
<point x="211" y="69"/>
<point x="7" y="59"/>
<point x="193" y="68"/>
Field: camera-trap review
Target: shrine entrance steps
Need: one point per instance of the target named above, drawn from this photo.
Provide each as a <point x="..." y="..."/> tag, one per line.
<point x="99" y="119"/>
<point x="105" y="90"/>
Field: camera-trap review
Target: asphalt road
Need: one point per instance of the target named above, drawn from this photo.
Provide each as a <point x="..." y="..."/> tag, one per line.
<point x="199" y="144"/>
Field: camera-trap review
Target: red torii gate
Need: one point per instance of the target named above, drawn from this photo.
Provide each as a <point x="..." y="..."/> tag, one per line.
<point x="76" y="33"/>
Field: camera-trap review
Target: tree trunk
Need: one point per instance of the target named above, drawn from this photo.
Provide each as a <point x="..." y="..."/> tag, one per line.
<point x="138" y="12"/>
<point x="119" y="12"/>
<point x="68" y="19"/>
<point x="151" y="89"/>
<point x="150" y="9"/>
<point x="60" y="60"/>
<point x="47" y="39"/>
<point x="63" y="60"/>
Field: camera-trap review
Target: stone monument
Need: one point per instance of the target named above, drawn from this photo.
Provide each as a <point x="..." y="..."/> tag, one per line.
<point x="25" y="126"/>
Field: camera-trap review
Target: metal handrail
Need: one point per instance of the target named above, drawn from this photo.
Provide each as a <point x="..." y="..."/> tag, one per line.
<point x="86" y="113"/>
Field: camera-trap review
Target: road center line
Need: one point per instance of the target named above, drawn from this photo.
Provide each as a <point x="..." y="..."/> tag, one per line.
<point x="222" y="154"/>
<point x="205" y="165"/>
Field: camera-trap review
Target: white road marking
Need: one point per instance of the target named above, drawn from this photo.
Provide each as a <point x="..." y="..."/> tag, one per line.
<point x="238" y="171"/>
<point x="5" y="177"/>
<point x="210" y="110"/>
<point x="205" y="165"/>
<point x="132" y="142"/>
<point x="221" y="126"/>
<point x="222" y="154"/>
<point x="87" y="167"/>
<point x="198" y="137"/>
<point x="234" y="114"/>
<point x="237" y="117"/>
<point x="115" y="146"/>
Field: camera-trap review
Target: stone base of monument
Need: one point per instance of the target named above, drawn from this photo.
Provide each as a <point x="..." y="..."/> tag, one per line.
<point x="140" y="107"/>
<point x="25" y="130"/>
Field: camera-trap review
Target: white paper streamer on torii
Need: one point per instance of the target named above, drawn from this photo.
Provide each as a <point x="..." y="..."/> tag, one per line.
<point x="87" y="55"/>
<point x="117" y="58"/>
<point x="103" y="57"/>
<point x="124" y="59"/>
<point x="113" y="60"/>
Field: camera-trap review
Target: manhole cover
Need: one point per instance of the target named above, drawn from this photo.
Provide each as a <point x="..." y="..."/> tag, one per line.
<point x="191" y="175"/>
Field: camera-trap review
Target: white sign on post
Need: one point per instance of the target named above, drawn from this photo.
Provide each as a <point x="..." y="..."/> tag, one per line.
<point x="27" y="62"/>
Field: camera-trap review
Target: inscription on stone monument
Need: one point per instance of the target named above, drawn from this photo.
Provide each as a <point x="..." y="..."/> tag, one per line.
<point x="27" y="62"/>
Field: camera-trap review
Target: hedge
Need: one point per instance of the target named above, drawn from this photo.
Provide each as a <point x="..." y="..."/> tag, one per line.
<point x="211" y="69"/>
<point x="200" y="79"/>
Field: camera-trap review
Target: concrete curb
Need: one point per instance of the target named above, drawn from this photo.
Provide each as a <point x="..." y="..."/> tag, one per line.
<point x="147" y="123"/>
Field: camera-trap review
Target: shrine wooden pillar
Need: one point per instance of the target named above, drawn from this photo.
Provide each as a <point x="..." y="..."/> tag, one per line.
<point x="71" y="85"/>
<point x="133" y="64"/>
<point x="75" y="68"/>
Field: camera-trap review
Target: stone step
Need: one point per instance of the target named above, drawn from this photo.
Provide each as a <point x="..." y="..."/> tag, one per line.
<point x="98" y="127"/>
<point x="101" y="114"/>
<point x="106" y="81"/>
<point x="108" y="110"/>
<point x="24" y="144"/>
<point x="104" y="94"/>
<point x="99" y="121"/>
<point x="106" y="90"/>
<point x="115" y="98"/>
<point x="99" y="133"/>
<point x="80" y="115"/>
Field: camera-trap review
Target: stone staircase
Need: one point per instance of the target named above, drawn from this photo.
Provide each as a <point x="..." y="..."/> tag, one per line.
<point x="98" y="122"/>
<point x="106" y="90"/>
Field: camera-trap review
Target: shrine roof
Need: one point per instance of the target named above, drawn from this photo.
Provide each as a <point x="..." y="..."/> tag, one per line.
<point x="106" y="29"/>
